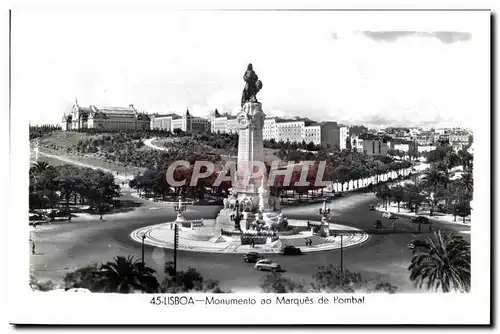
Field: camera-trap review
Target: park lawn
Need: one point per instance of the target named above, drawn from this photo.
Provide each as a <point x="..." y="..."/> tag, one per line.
<point x="63" y="139"/>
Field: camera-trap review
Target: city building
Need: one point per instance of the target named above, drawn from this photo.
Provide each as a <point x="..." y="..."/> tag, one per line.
<point x="269" y="130"/>
<point x="290" y="130"/>
<point x="223" y="123"/>
<point x="373" y="145"/>
<point x="343" y="136"/>
<point x="356" y="143"/>
<point x="326" y="134"/>
<point x="105" y="118"/>
<point x="232" y="124"/>
<point x="186" y="123"/>
<point x="162" y="122"/>
<point x="426" y="148"/>
<point x="218" y="123"/>
<point x="424" y="138"/>
<point x="459" y="137"/>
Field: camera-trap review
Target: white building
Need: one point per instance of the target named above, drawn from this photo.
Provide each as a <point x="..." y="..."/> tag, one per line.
<point x="356" y="143"/>
<point x="269" y="130"/>
<point x="343" y="136"/>
<point x="105" y="118"/>
<point x="186" y="123"/>
<point x="290" y="130"/>
<point x="218" y="123"/>
<point x="426" y="148"/>
<point x="312" y="133"/>
<point x="232" y="124"/>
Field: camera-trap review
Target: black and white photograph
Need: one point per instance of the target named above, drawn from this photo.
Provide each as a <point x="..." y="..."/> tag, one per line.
<point x="250" y="166"/>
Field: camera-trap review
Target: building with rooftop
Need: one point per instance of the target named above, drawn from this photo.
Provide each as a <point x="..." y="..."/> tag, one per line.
<point x="105" y="118"/>
<point x="187" y="123"/>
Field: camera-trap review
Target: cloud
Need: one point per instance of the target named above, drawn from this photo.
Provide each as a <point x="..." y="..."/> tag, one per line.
<point x="447" y="37"/>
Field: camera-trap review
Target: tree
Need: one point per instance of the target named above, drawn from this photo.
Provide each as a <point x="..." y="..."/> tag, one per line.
<point x="102" y="191"/>
<point x="40" y="167"/>
<point x="467" y="182"/>
<point x="84" y="277"/>
<point x="466" y="158"/>
<point x="452" y="160"/>
<point x="184" y="281"/>
<point x="67" y="183"/>
<point x="126" y="275"/>
<point x="276" y="283"/>
<point x="434" y="179"/>
<point x="383" y="193"/>
<point x="397" y="194"/>
<point x="41" y="286"/>
<point x="332" y="279"/>
<point x="442" y="265"/>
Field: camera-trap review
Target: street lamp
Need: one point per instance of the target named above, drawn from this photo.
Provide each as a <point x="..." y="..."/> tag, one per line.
<point x="324" y="211"/>
<point x="179" y="208"/>
<point x="237" y="217"/>
<point x="341" y="251"/>
<point x="143" y="237"/>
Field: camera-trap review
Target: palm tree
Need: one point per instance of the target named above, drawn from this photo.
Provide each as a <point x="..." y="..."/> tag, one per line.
<point x="434" y="179"/>
<point x="452" y="160"/>
<point x="443" y="264"/>
<point x="465" y="157"/>
<point x="467" y="182"/>
<point x="40" y="167"/>
<point x="126" y="275"/>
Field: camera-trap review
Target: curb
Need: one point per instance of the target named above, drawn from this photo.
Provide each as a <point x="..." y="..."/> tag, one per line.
<point x="153" y="241"/>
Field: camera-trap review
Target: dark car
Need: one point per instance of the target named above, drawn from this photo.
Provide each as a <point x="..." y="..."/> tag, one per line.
<point x="420" y="220"/>
<point x="291" y="250"/>
<point x="252" y="257"/>
<point x="418" y="244"/>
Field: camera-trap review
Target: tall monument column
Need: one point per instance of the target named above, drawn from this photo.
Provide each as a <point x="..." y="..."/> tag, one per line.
<point x="250" y="145"/>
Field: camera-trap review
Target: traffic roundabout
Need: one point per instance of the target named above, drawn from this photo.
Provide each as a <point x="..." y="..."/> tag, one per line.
<point x="209" y="240"/>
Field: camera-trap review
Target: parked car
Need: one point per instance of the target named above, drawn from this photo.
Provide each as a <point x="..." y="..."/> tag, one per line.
<point x="36" y="216"/>
<point x="420" y="220"/>
<point x="252" y="257"/>
<point x="266" y="264"/>
<point x="417" y="243"/>
<point x="291" y="250"/>
<point x="389" y="215"/>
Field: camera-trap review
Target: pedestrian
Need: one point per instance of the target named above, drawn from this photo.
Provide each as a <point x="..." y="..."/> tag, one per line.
<point x="253" y="242"/>
<point x="33" y="248"/>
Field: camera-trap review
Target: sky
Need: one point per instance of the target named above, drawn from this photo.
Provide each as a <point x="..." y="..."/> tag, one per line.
<point x="352" y="69"/>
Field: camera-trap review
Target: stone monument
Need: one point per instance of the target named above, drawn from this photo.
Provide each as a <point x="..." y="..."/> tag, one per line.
<point x="251" y="193"/>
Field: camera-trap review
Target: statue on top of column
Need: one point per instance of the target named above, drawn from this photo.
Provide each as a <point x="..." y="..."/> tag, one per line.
<point x="252" y="86"/>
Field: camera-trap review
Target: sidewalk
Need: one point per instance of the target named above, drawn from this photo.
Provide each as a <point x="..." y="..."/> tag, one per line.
<point x="81" y="164"/>
<point x="446" y="219"/>
<point x="149" y="143"/>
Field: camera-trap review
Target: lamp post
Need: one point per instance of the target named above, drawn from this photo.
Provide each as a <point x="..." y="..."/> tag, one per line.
<point x="341" y="251"/>
<point x="180" y="208"/>
<point x="237" y="217"/>
<point x="324" y="211"/>
<point x="143" y="237"/>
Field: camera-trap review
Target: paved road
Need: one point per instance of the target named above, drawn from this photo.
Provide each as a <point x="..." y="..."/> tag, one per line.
<point x="67" y="246"/>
